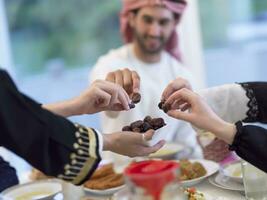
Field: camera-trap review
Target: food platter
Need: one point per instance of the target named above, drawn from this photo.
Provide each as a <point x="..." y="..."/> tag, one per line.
<point x="211" y="168"/>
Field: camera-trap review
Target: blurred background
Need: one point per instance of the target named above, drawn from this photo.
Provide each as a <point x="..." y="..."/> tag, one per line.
<point x="49" y="46"/>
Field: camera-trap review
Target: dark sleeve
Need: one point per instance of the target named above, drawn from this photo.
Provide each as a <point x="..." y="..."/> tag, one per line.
<point x="250" y="143"/>
<point x="8" y="175"/>
<point x="257" y="94"/>
<point x="49" y="142"/>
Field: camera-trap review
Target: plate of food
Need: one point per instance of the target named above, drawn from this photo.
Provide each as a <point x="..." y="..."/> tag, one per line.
<point x="168" y="151"/>
<point x="37" y="190"/>
<point x="104" y="181"/>
<point x="194" y="171"/>
<point x="233" y="171"/>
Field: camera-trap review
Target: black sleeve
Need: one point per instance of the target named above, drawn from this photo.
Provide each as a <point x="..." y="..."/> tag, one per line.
<point x="257" y="94"/>
<point x="250" y="143"/>
<point x="49" y="142"/>
<point x="8" y="175"/>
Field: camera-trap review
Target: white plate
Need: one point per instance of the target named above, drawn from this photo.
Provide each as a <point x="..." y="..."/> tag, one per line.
<point x="211" y="168"/>
<point x="233" y="171"/>
<point x="169" y="150"/>
<point x="37" y="190"/>
<point x="224" y="182"/>
<point x="107" y="192"/>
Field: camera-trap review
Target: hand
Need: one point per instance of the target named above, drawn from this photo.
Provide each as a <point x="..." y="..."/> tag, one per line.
<point x="130" y="143"/>
<point x="129" y="80"/>
<point x="102" y="96"/>
<point x="174" y="86"/>
<point x="192" y="108"/>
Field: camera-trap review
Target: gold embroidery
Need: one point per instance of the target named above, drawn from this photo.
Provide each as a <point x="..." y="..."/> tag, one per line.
<point x="84" y="157"/>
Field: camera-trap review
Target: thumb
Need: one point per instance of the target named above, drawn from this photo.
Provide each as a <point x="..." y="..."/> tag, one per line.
<point x="149" y="134"/>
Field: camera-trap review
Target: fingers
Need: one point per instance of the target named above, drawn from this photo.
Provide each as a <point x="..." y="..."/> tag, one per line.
<point x="155" y="147"/>
<point x="167" y="92"/>
<point x="148" y="135"/>
<point x="127" y="81"/>
<point x="184" y="107"/>
<point x="126" y="78"/>
<point x="102" y="98"/>
<point x="117" y="93"/>
<point x="142" y="138"/>
<point x="177" y="104"/>
<point x="111" y="77"/>
<point x="180" y="97"/>
<point x="124" y="99"/>
<point x="186" y="116"/>
<point x="119" y="78"/>
<point x="136" y="82"/>
<point x="175" y="85"/>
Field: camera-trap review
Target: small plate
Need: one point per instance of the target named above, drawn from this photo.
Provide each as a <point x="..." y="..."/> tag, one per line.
<point x="233" y="171"/>
<point x="211" y="167"/>
<point x="37" y="190"/>
<point x="224" y="182"/>
<point x="107" y="192"/>
<point x="169" y="150"/>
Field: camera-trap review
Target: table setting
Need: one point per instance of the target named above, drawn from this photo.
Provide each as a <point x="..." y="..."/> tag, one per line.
<point x="215" y="183"/>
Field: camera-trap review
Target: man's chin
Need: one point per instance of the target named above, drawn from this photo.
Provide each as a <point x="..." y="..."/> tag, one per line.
<point x="153" y="50"/>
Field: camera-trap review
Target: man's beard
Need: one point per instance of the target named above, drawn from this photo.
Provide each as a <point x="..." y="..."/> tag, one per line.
<point x="141" y="40"/>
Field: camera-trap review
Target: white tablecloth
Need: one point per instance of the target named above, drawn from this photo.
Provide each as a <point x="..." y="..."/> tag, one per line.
<point x="218" y="193"/>
<point x="210" y="190"/>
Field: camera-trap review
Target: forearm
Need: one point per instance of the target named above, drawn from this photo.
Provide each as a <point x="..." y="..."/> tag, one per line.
<point x="248" y="141"/>
<point x="64" y="108"/>
<point x="224" y="130"/>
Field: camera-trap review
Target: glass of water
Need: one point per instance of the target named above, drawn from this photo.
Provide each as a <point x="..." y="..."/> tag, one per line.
<point x="255" y="182"/>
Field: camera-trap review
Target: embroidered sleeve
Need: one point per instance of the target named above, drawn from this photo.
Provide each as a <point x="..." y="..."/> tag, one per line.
<point x="256" y="92"/>
<point x="85" y="158"/>
<point x="49" y="142"/>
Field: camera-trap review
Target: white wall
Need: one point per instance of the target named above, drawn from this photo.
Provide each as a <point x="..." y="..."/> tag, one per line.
<point x="191" y="43"/>
<point x="5" y="51"/>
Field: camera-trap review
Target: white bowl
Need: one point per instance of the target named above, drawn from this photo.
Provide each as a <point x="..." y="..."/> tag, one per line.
<point x="37" y="190"/>
<point x="233" y="171"/>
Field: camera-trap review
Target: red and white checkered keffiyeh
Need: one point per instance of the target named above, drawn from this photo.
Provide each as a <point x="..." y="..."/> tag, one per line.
<point x="172" y="45"/>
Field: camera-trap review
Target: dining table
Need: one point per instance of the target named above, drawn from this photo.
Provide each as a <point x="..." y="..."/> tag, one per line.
<point x="210" y="191"/>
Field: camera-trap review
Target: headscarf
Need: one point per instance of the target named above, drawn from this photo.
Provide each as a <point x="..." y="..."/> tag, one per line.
<point x="172" y="45"/>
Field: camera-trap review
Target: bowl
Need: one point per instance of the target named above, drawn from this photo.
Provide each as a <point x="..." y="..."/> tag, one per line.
<point x="37" y="190"/>
<point x="233" y="171"/>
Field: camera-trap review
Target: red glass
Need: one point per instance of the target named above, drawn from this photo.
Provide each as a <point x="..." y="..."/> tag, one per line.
<point x="152" y="175"/>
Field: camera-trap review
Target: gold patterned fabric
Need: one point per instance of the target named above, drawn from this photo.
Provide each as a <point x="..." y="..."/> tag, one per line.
<point x="85" y="158"/>
<point x="50" y="143"/>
